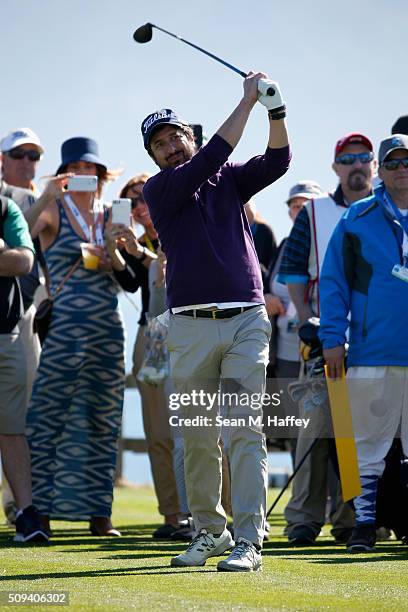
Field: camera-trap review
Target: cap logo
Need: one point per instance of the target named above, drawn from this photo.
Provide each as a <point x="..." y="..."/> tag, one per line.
<point x="162" y="114"/>
<point x="21" y="134"/>
<point x="396" y="141"/>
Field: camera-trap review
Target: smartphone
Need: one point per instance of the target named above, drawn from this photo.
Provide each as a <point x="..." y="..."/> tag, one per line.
<point x="121" y="210"/>
<point x="83" y="183"/>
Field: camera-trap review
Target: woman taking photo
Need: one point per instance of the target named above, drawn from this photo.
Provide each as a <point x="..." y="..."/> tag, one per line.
<point x="74" y="416"/>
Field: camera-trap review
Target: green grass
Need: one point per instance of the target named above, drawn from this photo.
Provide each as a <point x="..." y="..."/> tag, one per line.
<point x="133" y="571"/>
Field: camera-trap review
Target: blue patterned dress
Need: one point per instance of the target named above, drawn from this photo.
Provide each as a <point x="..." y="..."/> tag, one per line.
<point x="75" y="412"/>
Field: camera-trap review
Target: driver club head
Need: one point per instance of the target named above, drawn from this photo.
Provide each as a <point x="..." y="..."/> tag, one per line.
<point x="144" y="33"/>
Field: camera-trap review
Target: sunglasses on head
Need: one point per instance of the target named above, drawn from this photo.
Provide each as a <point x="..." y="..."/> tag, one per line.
<point x="137" y="200"/>
<point x="347" y="159"/>
<point x="32" y="154"/>
<point x="393" y="164"/>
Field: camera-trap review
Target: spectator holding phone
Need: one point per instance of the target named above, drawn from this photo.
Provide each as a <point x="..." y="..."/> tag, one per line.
<point x="138" y="256"/>
<point x="74" y="416"/>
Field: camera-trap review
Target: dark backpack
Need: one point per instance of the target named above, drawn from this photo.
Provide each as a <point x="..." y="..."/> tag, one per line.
<point x="11" y="302"/>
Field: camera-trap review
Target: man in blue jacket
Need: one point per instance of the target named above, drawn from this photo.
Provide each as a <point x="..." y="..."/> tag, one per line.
<point x="218" y="326"/>
<point x="365" y="273"/>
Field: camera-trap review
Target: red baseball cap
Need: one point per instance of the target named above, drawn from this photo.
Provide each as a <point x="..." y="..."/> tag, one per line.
<point x="353" y="138"/>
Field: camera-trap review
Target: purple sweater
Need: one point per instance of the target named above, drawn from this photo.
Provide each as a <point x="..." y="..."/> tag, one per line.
<point x="197" y="210"/>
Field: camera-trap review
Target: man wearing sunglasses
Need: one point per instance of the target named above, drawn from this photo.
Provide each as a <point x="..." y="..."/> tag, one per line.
<point x="305" y="249"/>
<point x="364" y="286"/>
<point x="21" y="150"/>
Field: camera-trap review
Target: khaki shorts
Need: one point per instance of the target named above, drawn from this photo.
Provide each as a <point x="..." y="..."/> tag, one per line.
<point x="13" y="384"/>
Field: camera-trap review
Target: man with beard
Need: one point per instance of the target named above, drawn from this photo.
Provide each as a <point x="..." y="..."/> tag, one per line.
<point x="218" y="327"/>
<point x="304" y="253"/>
<point x="363" y="288"/>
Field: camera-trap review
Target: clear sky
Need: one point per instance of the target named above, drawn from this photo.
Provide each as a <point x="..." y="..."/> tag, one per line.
<point x="72" y="68"/>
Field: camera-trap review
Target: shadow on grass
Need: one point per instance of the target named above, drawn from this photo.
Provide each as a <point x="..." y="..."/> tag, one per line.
<point x="382" y="553"/>
<point x="137" y="544"/>
<point x="122" y="571"/>
<point x="155" y="549"/>
<point x="137" y="541"/>
<point x="122" y="543"/>
<point x="140" y="535"/>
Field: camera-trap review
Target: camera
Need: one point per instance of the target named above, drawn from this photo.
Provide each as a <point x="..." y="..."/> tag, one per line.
<point x="83" y="183"/>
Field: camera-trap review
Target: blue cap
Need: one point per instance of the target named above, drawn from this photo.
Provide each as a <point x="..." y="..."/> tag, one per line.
<point x="390" y="144"/>
<point x="154" y="120"/>
<point x="77" y="149"/>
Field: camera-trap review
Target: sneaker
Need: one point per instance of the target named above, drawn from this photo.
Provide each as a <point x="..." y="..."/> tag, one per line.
<point x="342" y="536"/>
<point x="203" y="546"/>
<point x="267" y="529"/>
<point x="184" y="532"/>
<point x="164" y="532"/>
<point x="29" y="528"/>
<point x="302" y="535"/>
<point x="244" y="558"/>
<point x="362" y="539"/>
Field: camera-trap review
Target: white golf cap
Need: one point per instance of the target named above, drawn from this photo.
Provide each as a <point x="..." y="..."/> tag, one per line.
<point x="305" y="189"/>
<point x="19" y="137"/>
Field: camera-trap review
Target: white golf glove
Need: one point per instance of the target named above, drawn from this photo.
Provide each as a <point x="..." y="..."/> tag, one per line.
<point x="269" y="95"/>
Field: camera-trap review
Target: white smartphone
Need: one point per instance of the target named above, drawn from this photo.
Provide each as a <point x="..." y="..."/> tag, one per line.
<point x="121" y="210"/>
<point x="83" y="182"/>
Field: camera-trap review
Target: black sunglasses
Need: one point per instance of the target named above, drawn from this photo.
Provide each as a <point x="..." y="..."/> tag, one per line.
<point x="32" y="154"/>
<point x="347" y="159"/>
<point x="393" y="164"/>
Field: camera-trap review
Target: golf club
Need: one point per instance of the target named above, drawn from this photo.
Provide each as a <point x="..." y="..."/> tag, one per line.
<point x="145" y="32"/>
<point x="301" y="462"/>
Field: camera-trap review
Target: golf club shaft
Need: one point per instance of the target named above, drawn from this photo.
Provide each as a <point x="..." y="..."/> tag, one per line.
<point x="218" y="59"/>
<point x="292" y="477"/>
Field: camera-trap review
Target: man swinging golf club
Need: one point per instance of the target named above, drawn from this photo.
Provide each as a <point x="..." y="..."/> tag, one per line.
<point x="218" y="326"/>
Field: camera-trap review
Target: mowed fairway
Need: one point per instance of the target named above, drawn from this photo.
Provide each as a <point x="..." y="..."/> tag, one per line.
<point x="134" y="572"/>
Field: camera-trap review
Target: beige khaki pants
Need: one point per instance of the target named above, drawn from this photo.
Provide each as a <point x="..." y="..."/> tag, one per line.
<point x="31" y="349"/>
<point x="204" y="352"/>
<point x="307" y="505"/>
<point x="158" y="434"/>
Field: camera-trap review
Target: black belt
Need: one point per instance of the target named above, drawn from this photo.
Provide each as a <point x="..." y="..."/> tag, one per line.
<point x="226" y="313"/>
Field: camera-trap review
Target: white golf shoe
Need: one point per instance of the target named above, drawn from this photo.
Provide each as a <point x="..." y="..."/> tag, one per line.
<point x="203" y="546"/>
<point x="244" y="558"/>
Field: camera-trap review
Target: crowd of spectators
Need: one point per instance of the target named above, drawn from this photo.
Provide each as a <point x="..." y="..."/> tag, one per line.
<point x="236" y="300"/>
